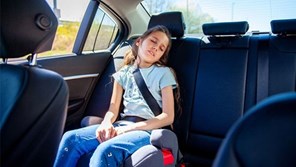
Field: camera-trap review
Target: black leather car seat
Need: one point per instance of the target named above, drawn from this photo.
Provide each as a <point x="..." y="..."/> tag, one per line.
<point x="265" y="136"/>
<point x="33" y="100"/>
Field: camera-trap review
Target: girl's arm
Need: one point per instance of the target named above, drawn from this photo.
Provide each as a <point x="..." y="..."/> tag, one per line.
<point x="115" y="102"/>
<point x="106" y="130"/>
<point x="164" y="119"/>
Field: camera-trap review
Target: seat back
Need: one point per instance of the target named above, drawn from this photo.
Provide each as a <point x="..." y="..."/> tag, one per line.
<point x="219" y="92"/>
<point x="271" y="71"/>
<point x="183" y="58"/>
<point x="282" y="61"/>
<point x="265" y="136"/>
<point x="33" y="100"/>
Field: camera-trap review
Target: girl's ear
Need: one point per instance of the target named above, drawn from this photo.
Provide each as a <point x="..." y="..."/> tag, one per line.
<point x="138" y="41"/>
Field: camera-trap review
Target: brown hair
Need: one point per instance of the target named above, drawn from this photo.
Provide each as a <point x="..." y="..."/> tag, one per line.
<point x="131" y="56"/>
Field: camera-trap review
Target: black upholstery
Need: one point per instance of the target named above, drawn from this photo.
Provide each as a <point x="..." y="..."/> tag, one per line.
<point x="287" y="26"/>
<point x="33" y="120"/>
<point x="184" y="60"/>
<point x="218" y="93"/>
<point x="282" y="60"/>
<point x="225" y="28"/>
<point x="265" y="136"/>
<point x="172" y="20"/>
<point x="33" y="100"/>
<point x="271" y="65"/>
<point x="232" y="72"/>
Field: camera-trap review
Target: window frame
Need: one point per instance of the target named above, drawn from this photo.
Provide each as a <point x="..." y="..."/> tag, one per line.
<point x="86" y="24"/>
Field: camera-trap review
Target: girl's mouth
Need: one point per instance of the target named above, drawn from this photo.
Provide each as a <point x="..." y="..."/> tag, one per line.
<point x="151" y="53"/>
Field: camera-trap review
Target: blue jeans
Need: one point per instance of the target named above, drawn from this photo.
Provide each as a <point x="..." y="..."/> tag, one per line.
<point x="112" y="152"/>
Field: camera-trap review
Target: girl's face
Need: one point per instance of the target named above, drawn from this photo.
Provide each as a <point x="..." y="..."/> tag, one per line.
<point x="152" y="48"/>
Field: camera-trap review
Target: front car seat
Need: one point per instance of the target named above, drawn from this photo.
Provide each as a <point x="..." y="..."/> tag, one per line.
<point x="33" y="100"/>
<point x="265" y="136"/>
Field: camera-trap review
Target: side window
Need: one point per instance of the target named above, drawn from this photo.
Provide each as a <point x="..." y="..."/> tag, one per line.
<point x="70" y="14"/>
<point x="102" y="33"/>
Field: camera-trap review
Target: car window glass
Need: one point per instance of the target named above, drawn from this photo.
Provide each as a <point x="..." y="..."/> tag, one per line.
<point x="102" y="32"/>
<point x="258" y="13"/>
<point x="70" y="14"/>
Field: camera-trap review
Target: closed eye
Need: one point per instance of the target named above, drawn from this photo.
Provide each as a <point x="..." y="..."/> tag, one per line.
<point x="153" y="41"/>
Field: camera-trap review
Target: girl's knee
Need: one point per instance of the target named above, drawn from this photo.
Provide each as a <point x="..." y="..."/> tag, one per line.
<point x="69" y="137"/>
<point x="104" y="149"/>
<point x="103" y="155"/>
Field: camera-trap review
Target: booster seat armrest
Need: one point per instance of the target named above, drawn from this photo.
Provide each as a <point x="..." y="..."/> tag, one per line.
<point x="90" y="120"/>
<point x="165" y="139"/>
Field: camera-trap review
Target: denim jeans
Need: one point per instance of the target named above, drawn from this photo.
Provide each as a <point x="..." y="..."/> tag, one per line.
<point x="112" y="152"/>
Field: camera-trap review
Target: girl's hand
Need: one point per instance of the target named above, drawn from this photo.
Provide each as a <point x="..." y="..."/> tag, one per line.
<point x="105" y="132"/>
<point x="121" y="129"/>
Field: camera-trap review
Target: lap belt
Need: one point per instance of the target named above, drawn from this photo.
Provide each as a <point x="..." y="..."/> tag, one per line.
<point x="133" y="119"/>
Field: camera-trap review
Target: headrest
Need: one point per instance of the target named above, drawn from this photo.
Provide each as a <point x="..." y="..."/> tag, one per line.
<point x="283" y="26"/>
<point x="225" y="28"/>
<point x="173" y="21"/>
<point x="26" y="27"/>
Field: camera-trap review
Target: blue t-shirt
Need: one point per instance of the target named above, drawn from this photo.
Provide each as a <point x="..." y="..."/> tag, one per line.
<point x="155" y="77"/>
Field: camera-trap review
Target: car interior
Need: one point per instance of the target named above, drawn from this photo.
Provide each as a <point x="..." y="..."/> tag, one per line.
<point x="237" y="88"/>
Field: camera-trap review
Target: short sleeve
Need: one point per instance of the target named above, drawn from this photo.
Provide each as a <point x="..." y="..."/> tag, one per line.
<point x="120" y="76"/>
<point x="168" y="79"/>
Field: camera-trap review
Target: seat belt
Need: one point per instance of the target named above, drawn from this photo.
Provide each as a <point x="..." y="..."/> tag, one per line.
<point x="153" y="105"/>
<point x="263" y="68"/>
<point x="150" y="100"/>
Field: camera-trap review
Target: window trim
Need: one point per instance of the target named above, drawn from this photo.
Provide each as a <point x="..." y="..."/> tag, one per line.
<point x="123" y="29"/>
<point x="85" y="26"/>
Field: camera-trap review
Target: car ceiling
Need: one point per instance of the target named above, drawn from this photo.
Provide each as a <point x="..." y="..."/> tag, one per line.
<point x="136" y="18"/>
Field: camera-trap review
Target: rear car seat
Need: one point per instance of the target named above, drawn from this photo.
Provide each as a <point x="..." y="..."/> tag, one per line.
<point x="271" y="71"/>
<point x="219" y="80"/>
<point x="282" y="61"/>
<point x="272" y="62"/>
<point x="272" y="121"/>
<point x="219" y="92"/>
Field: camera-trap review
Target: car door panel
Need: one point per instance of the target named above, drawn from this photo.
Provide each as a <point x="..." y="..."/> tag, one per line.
<point x="81" y="73"/>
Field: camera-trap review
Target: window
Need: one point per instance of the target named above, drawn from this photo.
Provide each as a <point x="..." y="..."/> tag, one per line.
<point x="258" y="13"/>
<point x="102" y="33"/>
<point x="70" y="14"/>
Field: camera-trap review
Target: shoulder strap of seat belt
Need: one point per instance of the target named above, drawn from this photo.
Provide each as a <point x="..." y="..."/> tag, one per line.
<point x="152" y="103"/>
